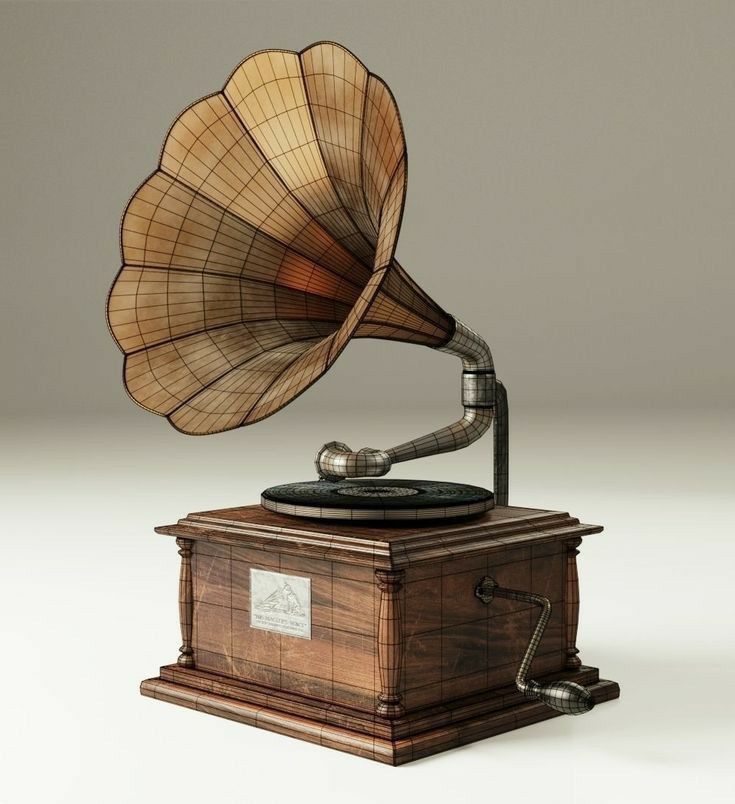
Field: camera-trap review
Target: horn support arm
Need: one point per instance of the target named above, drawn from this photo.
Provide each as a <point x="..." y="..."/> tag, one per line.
<point x="335" y="460"/>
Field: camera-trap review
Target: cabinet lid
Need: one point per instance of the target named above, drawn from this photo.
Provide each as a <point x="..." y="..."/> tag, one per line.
<point x="381" y="546"/>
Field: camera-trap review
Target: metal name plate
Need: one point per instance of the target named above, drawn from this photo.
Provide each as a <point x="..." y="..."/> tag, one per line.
<point x="280" y="603"/>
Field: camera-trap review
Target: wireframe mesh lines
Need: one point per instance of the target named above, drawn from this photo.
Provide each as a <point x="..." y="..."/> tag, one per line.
<point x="265" y="241"/>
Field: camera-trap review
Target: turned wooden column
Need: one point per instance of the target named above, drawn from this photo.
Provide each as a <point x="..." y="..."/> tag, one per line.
<point x="571" y="596"/>
<point x="390" y="643"/>
<point x="186" y="603"/>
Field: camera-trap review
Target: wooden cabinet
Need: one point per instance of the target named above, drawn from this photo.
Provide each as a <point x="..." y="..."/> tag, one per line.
<point x="371" y="639"/>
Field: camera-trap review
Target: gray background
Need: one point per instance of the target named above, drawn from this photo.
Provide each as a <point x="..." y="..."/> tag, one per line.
<point x="570" y="197"/>
<point x="570" y="186"/>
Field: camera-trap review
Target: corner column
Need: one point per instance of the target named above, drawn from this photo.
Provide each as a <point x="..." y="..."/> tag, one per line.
<point x="390" y="643"/>
<point x="571" y="598"/>
<point x="186" y="603"/>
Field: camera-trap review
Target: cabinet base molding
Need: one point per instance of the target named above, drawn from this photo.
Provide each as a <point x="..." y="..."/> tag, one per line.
<point x="395" y="742"/>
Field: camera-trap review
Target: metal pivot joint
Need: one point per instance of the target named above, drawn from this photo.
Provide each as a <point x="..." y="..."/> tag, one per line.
<point x="566" y="697"/>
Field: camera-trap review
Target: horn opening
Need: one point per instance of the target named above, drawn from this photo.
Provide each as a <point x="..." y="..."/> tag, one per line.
<point x="265" y="241"/>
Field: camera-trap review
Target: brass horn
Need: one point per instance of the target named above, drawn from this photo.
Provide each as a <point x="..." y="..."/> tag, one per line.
<point x="265" y="241"/>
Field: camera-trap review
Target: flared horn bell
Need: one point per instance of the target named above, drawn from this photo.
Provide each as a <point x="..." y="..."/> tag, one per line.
<point x="265" y="241"/>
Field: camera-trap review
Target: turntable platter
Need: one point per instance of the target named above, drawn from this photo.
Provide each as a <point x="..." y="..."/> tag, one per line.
<point x="378" y="499"/>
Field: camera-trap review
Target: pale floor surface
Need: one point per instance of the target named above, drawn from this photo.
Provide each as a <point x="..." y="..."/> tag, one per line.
<point x="88" y="600"/>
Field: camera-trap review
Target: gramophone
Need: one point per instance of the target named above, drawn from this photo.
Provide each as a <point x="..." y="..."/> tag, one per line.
<point x="388" y="618"/>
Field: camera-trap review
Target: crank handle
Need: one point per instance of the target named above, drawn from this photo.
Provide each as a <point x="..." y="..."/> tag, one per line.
<point x="566" y="697"/>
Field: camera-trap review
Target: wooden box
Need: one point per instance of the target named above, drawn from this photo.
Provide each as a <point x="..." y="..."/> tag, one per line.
<point x="370" y="639"/>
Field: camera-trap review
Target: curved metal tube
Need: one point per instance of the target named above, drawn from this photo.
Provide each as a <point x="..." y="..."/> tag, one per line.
<point x="336" y="460"/>
<point x="566" y="697"/>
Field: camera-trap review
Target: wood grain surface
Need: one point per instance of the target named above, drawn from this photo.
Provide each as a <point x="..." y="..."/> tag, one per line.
<point x="401" y="649"/>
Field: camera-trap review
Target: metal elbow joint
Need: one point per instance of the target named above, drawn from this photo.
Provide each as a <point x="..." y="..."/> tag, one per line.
<point x="336" y="460"/>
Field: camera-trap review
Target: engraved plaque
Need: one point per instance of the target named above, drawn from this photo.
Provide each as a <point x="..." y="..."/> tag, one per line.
<point x="280" y="603"/>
